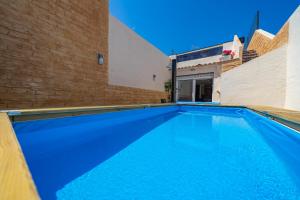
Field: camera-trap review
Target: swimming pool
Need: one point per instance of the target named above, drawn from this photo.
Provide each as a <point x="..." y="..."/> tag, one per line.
<point x="172" y="152"/>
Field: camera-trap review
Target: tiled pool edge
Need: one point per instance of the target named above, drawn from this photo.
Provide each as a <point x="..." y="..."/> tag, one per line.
<point x="21" y="185"/>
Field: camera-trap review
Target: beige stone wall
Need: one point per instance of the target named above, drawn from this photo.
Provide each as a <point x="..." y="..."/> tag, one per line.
<point x="263" y="44"/>
<point x="281" y="38"/>
<point x="228" y="65"/>
<point x="48" y="55"/>
<point x="259" y="43"/>
<point x="119" y="95"/>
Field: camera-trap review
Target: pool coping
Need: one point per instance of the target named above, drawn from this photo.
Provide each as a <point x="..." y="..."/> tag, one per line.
<point x="15" y="178"/>
<point x="33" y="114"/>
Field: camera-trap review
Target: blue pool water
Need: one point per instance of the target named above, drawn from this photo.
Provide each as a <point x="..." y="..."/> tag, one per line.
<point x="175" y="152"/>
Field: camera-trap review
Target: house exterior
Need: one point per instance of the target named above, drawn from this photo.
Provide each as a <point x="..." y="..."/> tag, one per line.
<point x="199" y="71"/>
<point x="266" y="72"/>
<point x="51" y="60"/>
<point x="273" y="78"/>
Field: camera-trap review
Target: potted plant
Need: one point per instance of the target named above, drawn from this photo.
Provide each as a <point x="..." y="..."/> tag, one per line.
<point x="168" y="89"/>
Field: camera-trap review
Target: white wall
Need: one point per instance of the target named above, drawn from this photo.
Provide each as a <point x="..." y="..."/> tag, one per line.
<point x="216" y="97"/>
<point x="261" y="81"/>
<point x="236" y="47"/>
<point x="293" y="63"/>
<point x="133" y="60"/>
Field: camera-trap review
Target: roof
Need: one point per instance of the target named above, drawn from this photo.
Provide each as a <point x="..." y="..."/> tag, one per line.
<point x="208" y="64"/>
<point x="242" y="39"/>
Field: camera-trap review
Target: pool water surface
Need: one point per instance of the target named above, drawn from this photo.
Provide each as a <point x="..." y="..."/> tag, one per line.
<point x="176" y="152"/>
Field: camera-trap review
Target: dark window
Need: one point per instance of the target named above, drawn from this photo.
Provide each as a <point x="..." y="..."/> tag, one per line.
<point x="200" y="54"/>
<point x="242" y="39"/>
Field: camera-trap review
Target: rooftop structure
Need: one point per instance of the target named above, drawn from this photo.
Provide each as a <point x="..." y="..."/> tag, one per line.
<point x="198" y="71"/>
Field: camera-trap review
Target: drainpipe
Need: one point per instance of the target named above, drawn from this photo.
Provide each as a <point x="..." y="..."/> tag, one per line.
<point x="257" y="20"/>
<point x="174" y="73"/>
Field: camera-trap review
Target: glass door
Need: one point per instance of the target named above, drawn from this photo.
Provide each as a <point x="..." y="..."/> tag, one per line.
<point x="185" y="90"/>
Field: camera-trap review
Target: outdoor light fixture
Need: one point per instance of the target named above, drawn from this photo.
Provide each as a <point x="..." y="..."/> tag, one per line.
<point x="154" y="77"/>
<point x="100" y="59"/>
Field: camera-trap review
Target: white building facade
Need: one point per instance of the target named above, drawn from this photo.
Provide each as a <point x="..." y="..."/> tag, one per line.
<point x="199" y="71"/>
<point x="133" y="61"/>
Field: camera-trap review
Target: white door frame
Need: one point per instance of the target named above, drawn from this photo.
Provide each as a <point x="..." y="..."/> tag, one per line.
<point x="194" y="78"/>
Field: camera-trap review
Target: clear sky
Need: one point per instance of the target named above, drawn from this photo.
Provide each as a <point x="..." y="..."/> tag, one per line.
<point x="182" y="25"/>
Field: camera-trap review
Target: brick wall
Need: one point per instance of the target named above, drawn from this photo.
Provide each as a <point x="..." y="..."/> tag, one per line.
<point x="118" y="95"/>
<point x="281" y="38"/>
<point x="259" y="43"/>
<point x="48" y="55"/>
<point x="263" y="44"/>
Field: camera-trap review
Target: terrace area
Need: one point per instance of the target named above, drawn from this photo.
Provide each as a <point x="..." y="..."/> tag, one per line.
<point x="84" y="99"/>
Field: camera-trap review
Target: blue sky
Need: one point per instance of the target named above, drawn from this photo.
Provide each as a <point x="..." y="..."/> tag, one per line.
<point x="182" y="25"/>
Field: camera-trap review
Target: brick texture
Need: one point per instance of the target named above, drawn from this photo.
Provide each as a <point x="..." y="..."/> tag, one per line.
<point x="118" y="95"/>
<point x="280" y="39"/>
<point x="48" y="56"/>
<point x="262" y="44"/>
<point x="259" y="43"/>
<point x="228" y="65"/>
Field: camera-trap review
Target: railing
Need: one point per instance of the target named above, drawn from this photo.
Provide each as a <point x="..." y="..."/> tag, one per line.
<point x="255" y="25"/>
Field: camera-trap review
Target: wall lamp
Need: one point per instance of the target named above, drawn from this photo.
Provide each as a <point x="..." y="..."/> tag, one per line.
<point x="100" y="59"/>
<point x="154" y="77"/>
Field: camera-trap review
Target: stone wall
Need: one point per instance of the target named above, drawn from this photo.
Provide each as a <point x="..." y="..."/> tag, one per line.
<point x="120" y="95"/>
<point x="48" y="55"/>
<point x="281" y="38"/>
<point x="259" y="43"/>
<point x="228" y="65"/>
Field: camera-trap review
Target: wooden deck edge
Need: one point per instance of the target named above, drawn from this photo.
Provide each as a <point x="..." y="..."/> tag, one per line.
<point x="32" y="114"/>
<point x="15" y="178"/>
<point x="287" y="122"/>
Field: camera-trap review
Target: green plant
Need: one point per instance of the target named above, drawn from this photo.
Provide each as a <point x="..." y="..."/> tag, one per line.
<point x="168" y="89"/>
<point x="168" y="86"/>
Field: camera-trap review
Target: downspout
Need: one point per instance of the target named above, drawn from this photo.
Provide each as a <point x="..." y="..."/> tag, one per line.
<point x="174" y="74"/>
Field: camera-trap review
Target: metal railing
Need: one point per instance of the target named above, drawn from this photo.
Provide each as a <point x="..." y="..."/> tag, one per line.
<point x="255" y="25"/>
